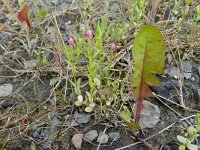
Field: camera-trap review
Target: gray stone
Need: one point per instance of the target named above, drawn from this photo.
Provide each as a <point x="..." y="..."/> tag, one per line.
<point x="184" y="124"/>
<point x="187" y="75"/>
<point x="169" y="58"/>
<point x="6" y="89"/>
<point x="8" y="104"/>
<point x="168" y="89"/>
<point x="54" y="2"/>
<point x="193" y="121"/>
<point x="91" y="135"/>
<point x="149" y="116"/>
<point x="114" y="136"/>
<point x="172" y="72"/>
<point x="77" y="140"/>
<point x="82" y="118"/>
<point x="186" y="67"/>
<point x="195" y="79"/>
<point x="71" y="123"/>
<point x="102" y="138"/>
<point x="47" y="133"/>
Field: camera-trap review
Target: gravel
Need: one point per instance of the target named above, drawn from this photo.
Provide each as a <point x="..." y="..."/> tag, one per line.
<point x="102" y="138"/>
<point x="91" y="135"/>
<point x="77" y="140"/>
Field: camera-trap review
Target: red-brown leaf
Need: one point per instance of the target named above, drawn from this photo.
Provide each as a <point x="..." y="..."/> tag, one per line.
<point x="23" y="15"/>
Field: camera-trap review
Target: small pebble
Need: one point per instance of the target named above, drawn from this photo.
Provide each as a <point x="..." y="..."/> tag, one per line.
<point x="114" y="136"/>
<point x="91" y="135"/>
<point x="77" y="140"/>
<point x="82" y="118"/>
<point x="193" y="79"/>
<point x="8" y="104"/>
<point x="102" y="138"/>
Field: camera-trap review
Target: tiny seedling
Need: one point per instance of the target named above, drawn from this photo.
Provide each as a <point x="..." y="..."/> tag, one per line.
<point x="190" y="135"/>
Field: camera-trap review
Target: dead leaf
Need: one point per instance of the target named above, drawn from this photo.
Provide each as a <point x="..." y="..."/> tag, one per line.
<point x="23" y="15"/>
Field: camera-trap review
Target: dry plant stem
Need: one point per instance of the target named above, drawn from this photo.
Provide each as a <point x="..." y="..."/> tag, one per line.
<point x="143" y="141"/>
<point x="64" y="48"/>
<point x="154" y="7"/>
<point x="169" y="107"/>
<point x="171" y="125"/>
<point x="181" y="81"/>
<point x="172" y="109"/>
<point x="197" y="111"/>
<point x="101" y="138"/>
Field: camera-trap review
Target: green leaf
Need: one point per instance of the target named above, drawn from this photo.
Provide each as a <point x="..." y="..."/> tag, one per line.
<point x="21" y="3"/>
<point x="191" y="130"/>
<point x="126" y="115"/>
<point x="133" y="126"/>
<point x="198" y="118"/>
<point x="191" y="146"/>
<point x="149" y="56"/>
<point x="42" y="14"/>
<point x="182" y="139"/>
<point x="80" y="98"/>
<point x="188" y="2"/>
<point x="88" y="109"/>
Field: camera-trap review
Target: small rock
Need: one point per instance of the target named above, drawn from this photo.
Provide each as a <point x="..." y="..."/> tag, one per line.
<point x="149" y="116"/>
<point x="172" y="72"/>
<point x="77" y="140"/>
<point x="8" y="104"/>
<point x="187" y="75"/>
<point x="102" y="138"/>
<point x="5" y="89"/>
<point x="54" y="2"/>
<point x="71" y="123"/>
<point x="168" y="89"/>
<point x="91" y="135"/>
<point x="186" y="67"/>
<point x="169" y="58"/>
<point x="114" y="136"/>
<point x="82" y="118"/>
<point x="195" y="79"/>
<point x="193" y="121"/>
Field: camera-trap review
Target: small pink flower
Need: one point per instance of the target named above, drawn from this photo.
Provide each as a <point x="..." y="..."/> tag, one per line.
<point x="71" y="41"/>
<point x="89" y="34"/>
<point x="113" y="47"/>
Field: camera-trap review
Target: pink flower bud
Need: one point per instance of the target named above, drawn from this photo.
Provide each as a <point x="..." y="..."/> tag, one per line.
<point x="89" y="34"/>
<point x="113" y="47"/>
<point x="71" y="41"/>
